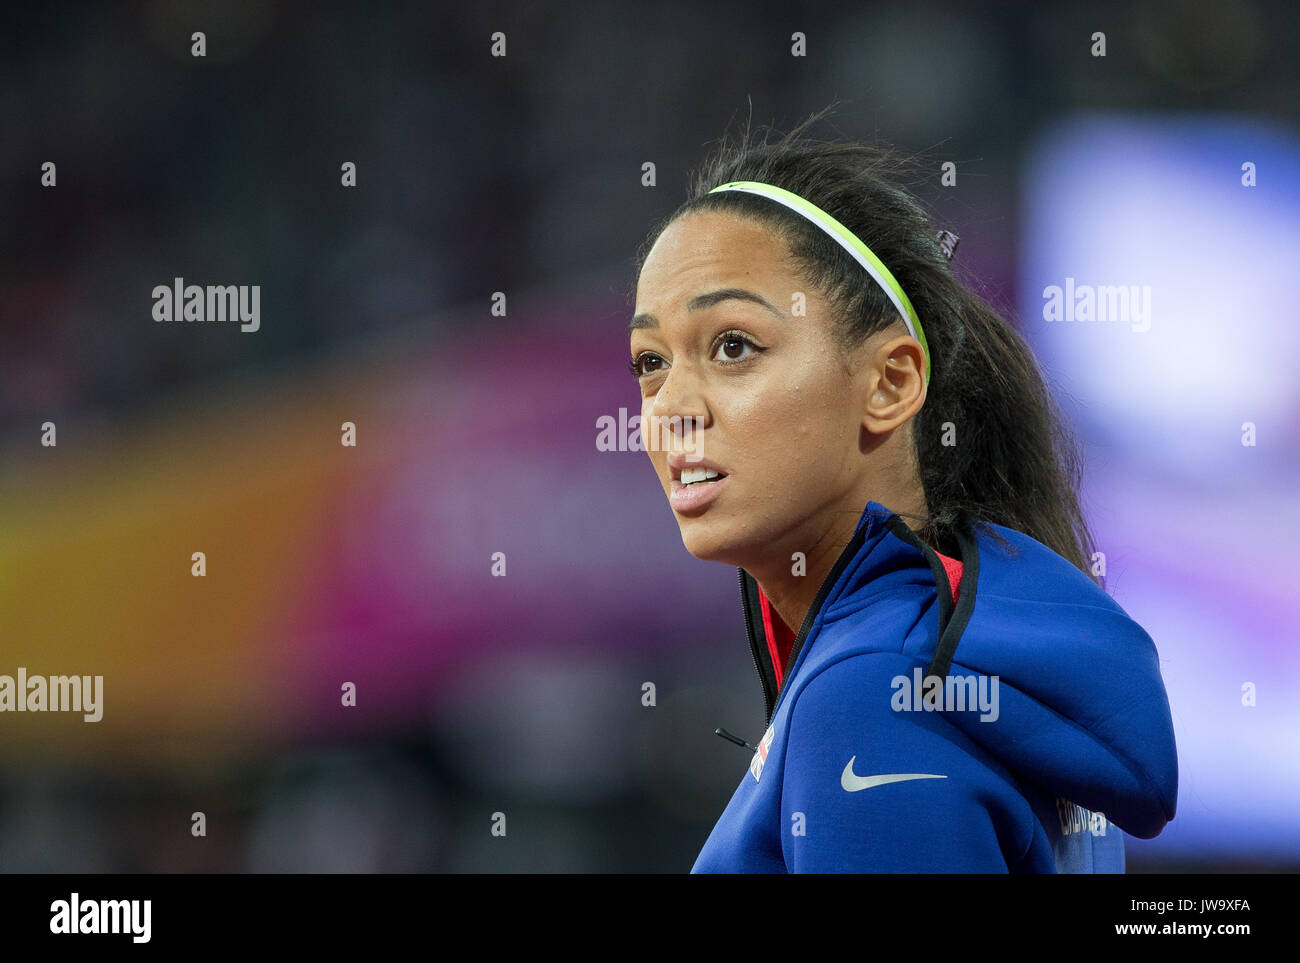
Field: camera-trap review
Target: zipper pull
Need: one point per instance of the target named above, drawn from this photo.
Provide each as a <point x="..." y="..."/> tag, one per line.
<point x="736" y="739"/>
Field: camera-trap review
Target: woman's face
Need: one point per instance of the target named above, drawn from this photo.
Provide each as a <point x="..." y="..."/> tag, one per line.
<point x="729" y="342"/>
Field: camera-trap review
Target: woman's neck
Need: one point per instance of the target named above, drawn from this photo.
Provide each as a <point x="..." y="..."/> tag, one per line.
<point x="793" y="573"/>
<point x="796" y="572"/>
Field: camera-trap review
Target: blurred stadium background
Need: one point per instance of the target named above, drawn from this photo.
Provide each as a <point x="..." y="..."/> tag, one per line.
<point x="476" y="433"/>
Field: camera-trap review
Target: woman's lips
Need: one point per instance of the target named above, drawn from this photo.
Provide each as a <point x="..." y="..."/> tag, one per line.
<point x="696" y="498"/>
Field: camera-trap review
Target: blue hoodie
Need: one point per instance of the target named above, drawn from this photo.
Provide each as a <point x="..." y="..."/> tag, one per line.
<point x="1050" y="734"/>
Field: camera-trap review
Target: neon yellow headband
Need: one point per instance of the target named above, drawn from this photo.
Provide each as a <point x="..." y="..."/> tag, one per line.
<point x="850" y="242"/>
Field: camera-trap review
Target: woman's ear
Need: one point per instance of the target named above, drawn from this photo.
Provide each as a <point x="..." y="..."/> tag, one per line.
<point x="894" y="386"/>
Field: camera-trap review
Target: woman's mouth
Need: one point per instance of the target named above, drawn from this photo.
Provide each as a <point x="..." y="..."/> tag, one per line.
<point x="698" y="476"/>
<point x="696" y="489"/>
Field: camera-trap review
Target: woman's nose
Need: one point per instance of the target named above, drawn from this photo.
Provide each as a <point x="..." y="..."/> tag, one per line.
<point x="678" y="414"/>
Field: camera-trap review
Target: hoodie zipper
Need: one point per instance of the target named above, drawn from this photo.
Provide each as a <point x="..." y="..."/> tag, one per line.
<point x="850" y="550"/>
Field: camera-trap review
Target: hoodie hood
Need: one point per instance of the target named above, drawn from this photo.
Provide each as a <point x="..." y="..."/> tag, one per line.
<point x="1082" y="711"/>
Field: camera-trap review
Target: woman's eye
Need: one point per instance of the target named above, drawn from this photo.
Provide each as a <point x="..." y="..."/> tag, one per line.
<point x="732" y="348"/>
<point x="638" y="365"/>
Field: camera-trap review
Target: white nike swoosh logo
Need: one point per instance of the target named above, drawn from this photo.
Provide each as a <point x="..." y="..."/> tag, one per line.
<point x="852" y="782"/>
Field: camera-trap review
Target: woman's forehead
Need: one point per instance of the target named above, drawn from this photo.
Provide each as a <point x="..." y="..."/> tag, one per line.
<point x="706" y="250"/>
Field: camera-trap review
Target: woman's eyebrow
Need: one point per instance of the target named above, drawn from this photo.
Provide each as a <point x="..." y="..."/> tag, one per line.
<point x="702" y="301"/>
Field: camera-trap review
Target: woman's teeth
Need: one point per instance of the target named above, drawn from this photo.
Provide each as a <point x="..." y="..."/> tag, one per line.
<point x="695" y="476"/>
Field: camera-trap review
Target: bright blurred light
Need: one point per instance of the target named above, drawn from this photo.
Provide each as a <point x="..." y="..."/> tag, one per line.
<point x="1159" y="204"/>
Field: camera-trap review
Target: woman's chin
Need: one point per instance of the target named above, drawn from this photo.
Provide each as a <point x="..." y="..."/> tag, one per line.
<point x="709" y="546"/>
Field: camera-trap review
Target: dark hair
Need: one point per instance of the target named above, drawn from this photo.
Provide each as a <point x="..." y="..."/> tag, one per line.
<point x="1014" y="462"/>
